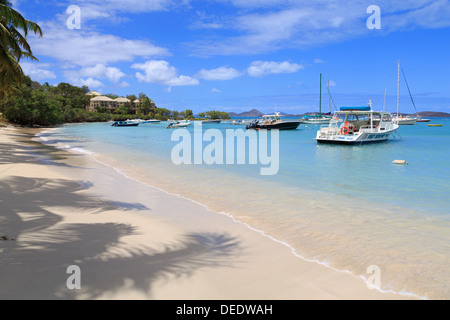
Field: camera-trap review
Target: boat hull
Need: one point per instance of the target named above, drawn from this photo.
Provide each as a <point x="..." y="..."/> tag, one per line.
<point x="125" y="125"/>
<point x="405" y="121"/>
<point x="351" y="139"/>
<point x="423" y="120"/>
<point x="316" y="121"/>
<point x="276" y="126"/>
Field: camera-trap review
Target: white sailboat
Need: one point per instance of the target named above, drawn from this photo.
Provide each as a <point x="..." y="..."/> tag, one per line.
<point x="398" y="119"/>
<point x="320" y="118"/>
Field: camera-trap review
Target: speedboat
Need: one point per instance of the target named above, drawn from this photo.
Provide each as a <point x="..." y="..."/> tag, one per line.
<point x="273" y="121"/>
<point x="353" y="125"/>
<point x="141" y="121"/>
<point x="124" y="124"/>
<point x="174" y="125"/>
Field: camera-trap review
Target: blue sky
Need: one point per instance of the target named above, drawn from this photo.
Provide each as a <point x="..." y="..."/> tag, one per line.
<point x="236" y="55"/>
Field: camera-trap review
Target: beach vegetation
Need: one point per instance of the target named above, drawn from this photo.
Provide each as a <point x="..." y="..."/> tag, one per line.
<point x="14" y="29"/>
<point x="39" y="105"/>
<point x="214" y="115"/>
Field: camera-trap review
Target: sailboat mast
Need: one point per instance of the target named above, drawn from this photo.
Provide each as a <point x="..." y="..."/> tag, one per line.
<point x="398" y="88"/>
<point x="329" y="94"/>
<point x="385" y="108"/>
<point x="320" y="100"/>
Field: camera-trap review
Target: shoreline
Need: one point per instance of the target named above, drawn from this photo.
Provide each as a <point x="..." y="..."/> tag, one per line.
<point x="180" y="249"/>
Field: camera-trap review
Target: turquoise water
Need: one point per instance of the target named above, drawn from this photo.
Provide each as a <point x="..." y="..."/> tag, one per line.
<point x="349" y="207"/>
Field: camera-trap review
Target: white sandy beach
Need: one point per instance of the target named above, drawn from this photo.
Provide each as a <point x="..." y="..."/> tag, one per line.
<point x="133" y="241"/>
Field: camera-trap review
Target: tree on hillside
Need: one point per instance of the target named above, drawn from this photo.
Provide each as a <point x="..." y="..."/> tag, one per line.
<point x="14" y="29"/>
<point x="131" y="97"/>
<point x="189" y="114"/>
<point x="146" y="105"/>
<point x="33" y="106"/>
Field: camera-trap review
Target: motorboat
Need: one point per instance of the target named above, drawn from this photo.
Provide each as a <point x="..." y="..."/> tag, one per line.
<point x="273" y="121"/>
<point x="124" y="124"/>
<point x="178" y="124"/>
<point x="141" y="121"/>
<point x="356" y="125"/>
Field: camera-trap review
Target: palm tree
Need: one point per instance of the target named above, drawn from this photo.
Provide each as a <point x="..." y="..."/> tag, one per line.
<point x="14" y="29"/>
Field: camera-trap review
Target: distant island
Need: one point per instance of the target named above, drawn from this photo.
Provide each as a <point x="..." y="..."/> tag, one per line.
<point x="249" y="114"/>
<point x="432" y="114"/>
<point x="257" y="114"/>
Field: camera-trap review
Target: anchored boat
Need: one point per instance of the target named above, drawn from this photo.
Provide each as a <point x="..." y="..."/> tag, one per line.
<point x="178" y="124"/>
<point x="353" y="125"/>
<point x="273" y="121"/>
<point x="320" y="118"/>
<point x="124" y="124"/>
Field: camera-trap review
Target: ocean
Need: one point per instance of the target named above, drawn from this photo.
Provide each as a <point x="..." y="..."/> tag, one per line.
<point x="347" y="207"/>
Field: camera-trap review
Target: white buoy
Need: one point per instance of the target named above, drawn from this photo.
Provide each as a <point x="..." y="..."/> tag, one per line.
<point x="399" y="162"/>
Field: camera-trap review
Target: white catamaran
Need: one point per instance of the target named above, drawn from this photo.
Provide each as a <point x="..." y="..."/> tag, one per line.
<point x="354" y="125"/>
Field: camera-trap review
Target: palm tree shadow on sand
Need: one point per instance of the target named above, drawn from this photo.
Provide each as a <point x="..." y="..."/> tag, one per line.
<point x="34" y="264"/>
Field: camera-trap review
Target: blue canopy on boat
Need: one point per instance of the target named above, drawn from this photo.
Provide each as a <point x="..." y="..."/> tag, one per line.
<point x="360" y="108"/>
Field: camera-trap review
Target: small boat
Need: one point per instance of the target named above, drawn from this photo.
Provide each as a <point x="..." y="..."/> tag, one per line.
<point x="212" y="121"/>
<point x="141" y="121"/>
<point x="422" y="120"/>
<point x="319" y="118"/>
<point x="174" y="125"/>
<point x="435" y="125"/>
<point x="405" y="120"/>
<point x="355" y="125"/>
<point x="399" y="119"/>
<point x="315" y="119"/>
<point x="273" y="121"/>
<point x="124" y="124"/>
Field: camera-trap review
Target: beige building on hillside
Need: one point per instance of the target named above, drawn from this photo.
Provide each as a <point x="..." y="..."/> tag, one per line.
<point x="100" y="101"/>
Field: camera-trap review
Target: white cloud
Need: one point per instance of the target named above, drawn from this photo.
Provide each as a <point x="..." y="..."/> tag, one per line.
<point x="222" y="73"/>
<point x="88" y="48"/>
<point x="160" y="72"/>
<point x="215" y="90"/>
<point x="95" y="9"/>
<point x="90" y="82"/>
<point x="318" y="61"/>
<point x="101" y="71"/>
<point x="37" y="72"/>
<point x="124" y="84"/>
<point x="263" y="26"/>
<point x="262" y="68"/>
